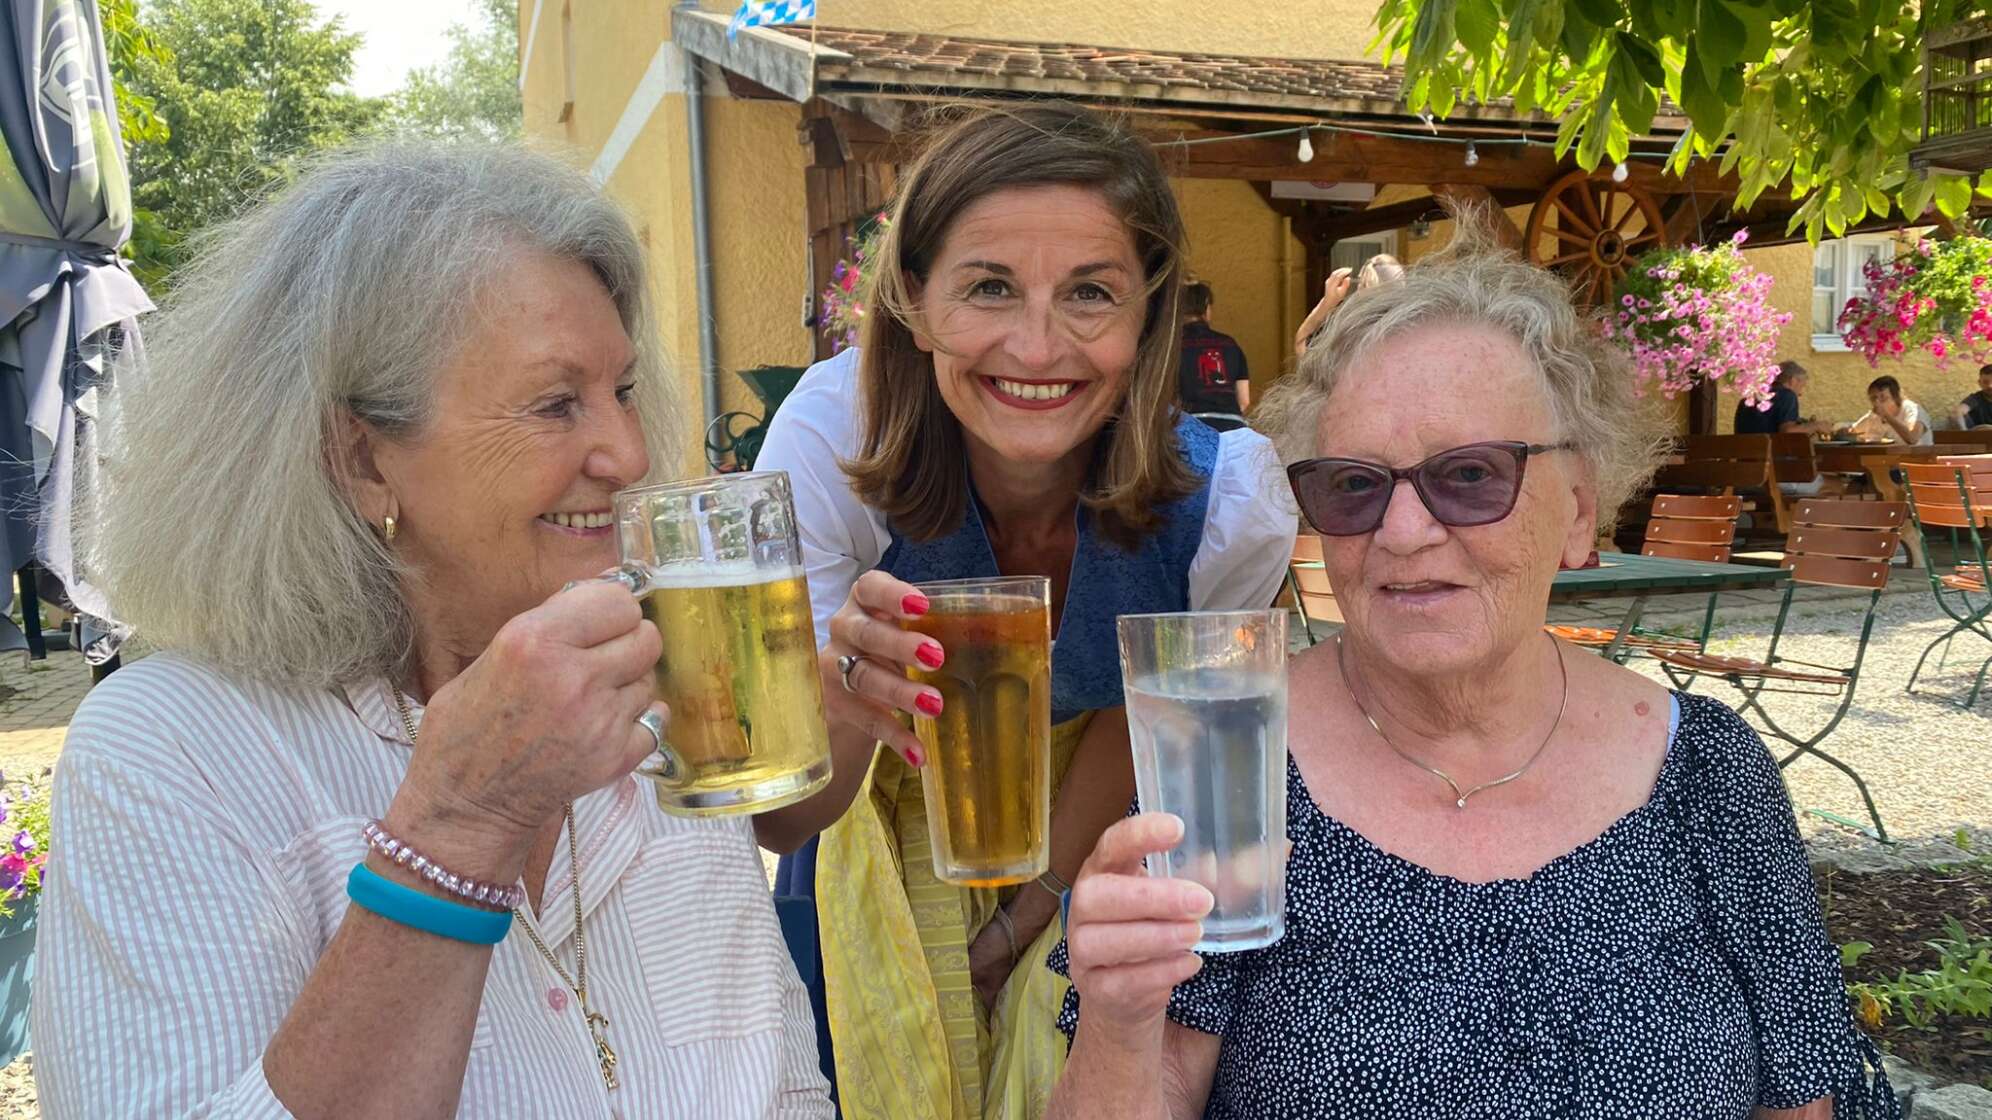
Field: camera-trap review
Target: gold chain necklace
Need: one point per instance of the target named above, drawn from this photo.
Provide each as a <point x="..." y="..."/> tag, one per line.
<point x="578" y="983"/>
<point x="1342" y="662"/>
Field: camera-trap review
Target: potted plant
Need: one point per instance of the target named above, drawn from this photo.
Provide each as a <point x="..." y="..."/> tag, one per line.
<point x="1935" y="297"/>
<point x="844" y="298"/>
<point x="1699" y="314"/>
<point x="23" y="852"/>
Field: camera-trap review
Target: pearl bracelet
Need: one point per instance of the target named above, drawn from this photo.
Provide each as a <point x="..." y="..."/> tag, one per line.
<point x="470" y="890"/>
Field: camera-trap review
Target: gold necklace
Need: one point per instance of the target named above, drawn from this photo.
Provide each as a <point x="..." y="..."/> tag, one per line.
<point x="1342" y="662"/>
<point x="578" y="983"/>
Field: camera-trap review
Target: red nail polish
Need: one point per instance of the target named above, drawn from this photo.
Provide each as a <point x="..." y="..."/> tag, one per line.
<point x="929" y="704"/>
<point x="930" y="655"/>
<point x="915" y="605"/>
<point x="915" y="758"/>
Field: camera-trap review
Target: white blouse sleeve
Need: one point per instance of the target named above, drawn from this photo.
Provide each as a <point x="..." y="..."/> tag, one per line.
<point x="815" y="428"/>
<point x="1249" y="527"/>
<point x="170" y="950"/>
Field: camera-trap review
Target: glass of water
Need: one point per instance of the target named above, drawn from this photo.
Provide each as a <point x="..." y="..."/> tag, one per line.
<point x="1206" y="713"/>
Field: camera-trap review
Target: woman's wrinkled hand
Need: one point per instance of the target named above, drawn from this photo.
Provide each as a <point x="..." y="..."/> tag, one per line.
<point x="1334" y="290"/>
<point x="867" y="627"/>
<point x="545" y="714"/>
<point x="1129" y="935"/>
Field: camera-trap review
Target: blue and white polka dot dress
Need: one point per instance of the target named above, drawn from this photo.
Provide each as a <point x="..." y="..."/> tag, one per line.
<point x="1676" y="966"/>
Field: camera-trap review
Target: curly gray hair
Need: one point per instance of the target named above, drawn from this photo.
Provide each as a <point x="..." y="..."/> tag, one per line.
<point x="1587" y="381"/>
<point x="221" y="526"/>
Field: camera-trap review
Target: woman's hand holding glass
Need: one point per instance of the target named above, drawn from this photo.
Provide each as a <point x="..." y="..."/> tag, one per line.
<point x="1129" y="935"/>
<point x="875" y="689"/>
<point x="548" y="712"/>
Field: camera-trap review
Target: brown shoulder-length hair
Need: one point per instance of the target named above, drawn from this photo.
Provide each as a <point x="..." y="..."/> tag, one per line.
<point x="911" y="463"/>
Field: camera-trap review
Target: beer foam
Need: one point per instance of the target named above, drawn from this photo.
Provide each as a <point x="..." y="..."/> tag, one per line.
<point x="692" y="577"/>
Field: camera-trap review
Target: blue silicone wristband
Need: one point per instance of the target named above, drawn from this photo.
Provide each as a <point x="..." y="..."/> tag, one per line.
<point x="426" y="912"/>
<point x="1065" y="909"/>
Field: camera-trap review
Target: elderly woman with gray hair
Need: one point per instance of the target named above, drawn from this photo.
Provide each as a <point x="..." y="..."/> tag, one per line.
<point x="1525" y="882"/>
<point x="363" y="840"/>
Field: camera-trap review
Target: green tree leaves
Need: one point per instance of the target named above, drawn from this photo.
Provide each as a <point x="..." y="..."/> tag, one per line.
<point x="1822" y="97"/>
<point x="475" y="92"/>
<point x="239" y="90"/>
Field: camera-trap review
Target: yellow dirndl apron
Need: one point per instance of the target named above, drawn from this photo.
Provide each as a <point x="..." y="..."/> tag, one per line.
<point x="911" y="1038"/>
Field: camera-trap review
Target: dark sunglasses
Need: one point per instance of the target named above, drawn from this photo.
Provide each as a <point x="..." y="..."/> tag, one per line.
<point x="1466" y="486"/>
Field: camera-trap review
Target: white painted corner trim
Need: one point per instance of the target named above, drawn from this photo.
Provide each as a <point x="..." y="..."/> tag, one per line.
<point x="526" y="57"/>
<point x="665" y="75"/>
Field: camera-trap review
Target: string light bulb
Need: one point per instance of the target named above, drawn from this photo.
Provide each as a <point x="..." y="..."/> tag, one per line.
<point x="1472" y="154"/>
<point x="1620" y="173"/>
<point x="1306" y="152"/>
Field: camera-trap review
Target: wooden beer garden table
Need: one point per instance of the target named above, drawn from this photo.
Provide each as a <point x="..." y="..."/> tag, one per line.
<point x="1878" y="462"/>
<point x="1625" y="574"/>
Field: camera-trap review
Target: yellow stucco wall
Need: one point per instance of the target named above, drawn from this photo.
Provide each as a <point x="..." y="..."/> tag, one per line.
<point x="1331" y="29"/>
<point x="760" y="256"/>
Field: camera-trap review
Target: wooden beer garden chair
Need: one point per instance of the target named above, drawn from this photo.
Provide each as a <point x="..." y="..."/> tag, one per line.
<point x="1308" y="582"/>
<point x="1682" y="527"/>
<point x="1836" y="544"/>
<point x="1744" y="466"/>
<point x="1954" y="500"/>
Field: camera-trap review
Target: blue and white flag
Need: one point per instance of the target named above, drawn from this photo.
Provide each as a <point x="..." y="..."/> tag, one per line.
<point x="767" y="13"/>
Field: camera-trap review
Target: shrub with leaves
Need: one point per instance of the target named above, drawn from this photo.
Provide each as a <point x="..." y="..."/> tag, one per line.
<point x="1935" y="297"/>
<point x="1960" y="984"/>
<point x="1823" y="95"/>
<point x="1699" y="313"/>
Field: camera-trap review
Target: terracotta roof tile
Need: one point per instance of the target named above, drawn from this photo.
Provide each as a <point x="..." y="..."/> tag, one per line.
<point x="945" y="60"/>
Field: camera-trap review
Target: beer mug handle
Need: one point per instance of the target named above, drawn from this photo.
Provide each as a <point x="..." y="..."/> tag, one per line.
<point x="634" y="577"/>
<point x="670" y="768"/>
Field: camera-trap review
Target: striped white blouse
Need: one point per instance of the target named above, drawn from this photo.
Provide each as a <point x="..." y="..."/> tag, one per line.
<point x="203" y="831"/>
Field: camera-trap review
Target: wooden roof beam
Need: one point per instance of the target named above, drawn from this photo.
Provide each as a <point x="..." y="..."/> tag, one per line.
<point x="1376" y="159"/>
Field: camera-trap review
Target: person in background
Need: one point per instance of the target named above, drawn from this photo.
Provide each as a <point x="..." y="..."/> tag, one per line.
<point x="1891" y="418"/>
<point x="1382" y="268"/>
<point x="1213" y="375"/>
<point x="1975" y="411"/>
<point x="1782" y="414"/>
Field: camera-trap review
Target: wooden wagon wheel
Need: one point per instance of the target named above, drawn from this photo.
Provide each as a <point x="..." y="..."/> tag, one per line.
<point x="1590" y="228"/>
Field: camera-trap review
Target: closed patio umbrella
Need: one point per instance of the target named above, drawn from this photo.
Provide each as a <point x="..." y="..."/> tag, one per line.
<point x="66" y="300"/>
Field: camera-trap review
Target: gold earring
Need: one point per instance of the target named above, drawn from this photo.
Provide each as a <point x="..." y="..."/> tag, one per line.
<point x="388" y="527"/>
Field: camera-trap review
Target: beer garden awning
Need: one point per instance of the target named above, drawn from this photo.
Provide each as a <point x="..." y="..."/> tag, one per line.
<point x="66" y="299"/>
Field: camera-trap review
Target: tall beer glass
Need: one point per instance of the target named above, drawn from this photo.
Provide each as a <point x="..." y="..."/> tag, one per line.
<point x="988" y="772"/>
<point x="718" y="567"/>
<point x="1206" y="714"/>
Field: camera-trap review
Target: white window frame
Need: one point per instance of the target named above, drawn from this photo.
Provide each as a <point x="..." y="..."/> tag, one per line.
<point x="1847" y="282"/>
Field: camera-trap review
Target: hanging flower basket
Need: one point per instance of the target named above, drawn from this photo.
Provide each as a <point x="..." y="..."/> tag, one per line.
<point x="844" y="299"/>
<point x="1699" y="314"/>
<point x="1935" y="297"/>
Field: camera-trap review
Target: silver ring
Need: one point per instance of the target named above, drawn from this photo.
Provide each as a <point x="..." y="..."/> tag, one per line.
<point x="845" y="664"/>
<point x="652" y="722"/>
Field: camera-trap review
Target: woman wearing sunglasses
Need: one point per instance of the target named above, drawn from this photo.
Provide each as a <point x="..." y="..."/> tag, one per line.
<point x="1525" y="882"/>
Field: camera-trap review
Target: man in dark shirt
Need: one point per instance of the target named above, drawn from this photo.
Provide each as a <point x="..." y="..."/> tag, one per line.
<point x="1212" y="377"/>
<point x="1783" y="414"/>
<point x="1976" y="410"/>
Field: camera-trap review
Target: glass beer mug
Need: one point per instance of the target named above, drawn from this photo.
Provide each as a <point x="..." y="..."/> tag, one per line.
<point x="718" y="568"/>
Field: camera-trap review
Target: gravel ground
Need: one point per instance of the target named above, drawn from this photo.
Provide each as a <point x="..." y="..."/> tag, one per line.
<point x="1927" y="761"/>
